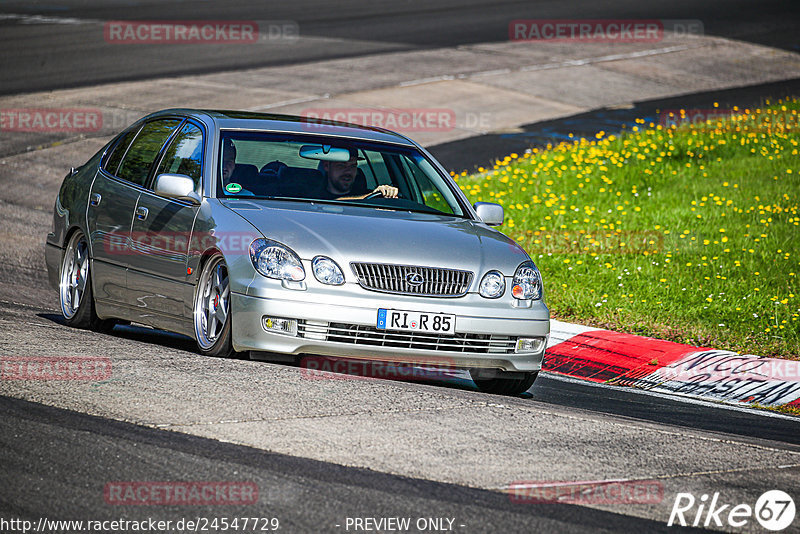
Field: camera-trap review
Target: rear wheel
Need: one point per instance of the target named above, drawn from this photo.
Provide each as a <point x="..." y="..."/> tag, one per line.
<point x="502" y="382"/>
<point x="75" y="287"/>
<point x="212" y="309"/>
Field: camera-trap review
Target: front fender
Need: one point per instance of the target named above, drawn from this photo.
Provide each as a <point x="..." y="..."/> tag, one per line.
<point x="219" y="229"/>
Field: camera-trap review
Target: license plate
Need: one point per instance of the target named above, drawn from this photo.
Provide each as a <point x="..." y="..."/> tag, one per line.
<point x="410" y="321"/>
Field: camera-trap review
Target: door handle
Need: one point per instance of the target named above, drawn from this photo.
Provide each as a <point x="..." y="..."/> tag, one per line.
<point x="95" y="199"/>
<point x="141" y="213"/>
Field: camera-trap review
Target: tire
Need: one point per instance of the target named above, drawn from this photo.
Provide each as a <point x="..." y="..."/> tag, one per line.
<point x="212" y="310"/>
<point x="503" y="383"/>
<point x="75" y="287"/>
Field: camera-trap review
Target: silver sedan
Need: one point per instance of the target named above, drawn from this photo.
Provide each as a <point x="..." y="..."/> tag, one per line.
<point x="279" y="234"/>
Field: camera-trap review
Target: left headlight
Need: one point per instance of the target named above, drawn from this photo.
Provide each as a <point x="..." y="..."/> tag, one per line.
<point x="274" y="260"/>
<point x="327" y="271"/>
<point x="527" y="284"/>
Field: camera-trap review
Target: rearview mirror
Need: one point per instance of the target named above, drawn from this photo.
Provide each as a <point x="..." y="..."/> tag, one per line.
<point x="490" y="213"/>
<point x="177" y="186"/>
<point x="324" y="153"/>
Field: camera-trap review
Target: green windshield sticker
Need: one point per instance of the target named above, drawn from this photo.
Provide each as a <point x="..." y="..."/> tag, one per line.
<point x="233" y="187"/>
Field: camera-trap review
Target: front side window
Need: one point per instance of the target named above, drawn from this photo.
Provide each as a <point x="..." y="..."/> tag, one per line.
<point x="312" y="168"/>
<point x="136" y="164"/>
<point x="185" y="154"/>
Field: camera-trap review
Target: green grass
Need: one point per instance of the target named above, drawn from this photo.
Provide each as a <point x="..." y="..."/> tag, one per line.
<point x="690" y="234"/>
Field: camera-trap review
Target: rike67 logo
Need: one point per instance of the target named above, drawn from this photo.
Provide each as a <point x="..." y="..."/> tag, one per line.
<point x="774" y="510"/>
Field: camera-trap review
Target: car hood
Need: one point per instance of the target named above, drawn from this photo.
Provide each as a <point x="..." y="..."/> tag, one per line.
<point x="362" y="234"/>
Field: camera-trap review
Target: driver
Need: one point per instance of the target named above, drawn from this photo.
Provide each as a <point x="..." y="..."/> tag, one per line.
<point x="341" y="176"/>
<point x="228" y="160"/>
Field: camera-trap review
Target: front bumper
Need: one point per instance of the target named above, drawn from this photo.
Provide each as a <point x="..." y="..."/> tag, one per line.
<point x="341" y="322"/>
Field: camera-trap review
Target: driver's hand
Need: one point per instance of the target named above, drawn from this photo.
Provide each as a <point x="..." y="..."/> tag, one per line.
<point x="387" y="191"/>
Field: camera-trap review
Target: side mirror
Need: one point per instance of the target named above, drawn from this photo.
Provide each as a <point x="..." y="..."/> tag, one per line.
<point x="490" y="213"/>
<point x="177" y="186"/>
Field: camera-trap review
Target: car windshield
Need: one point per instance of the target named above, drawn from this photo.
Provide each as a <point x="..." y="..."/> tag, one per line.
<point x="311" y="168"/>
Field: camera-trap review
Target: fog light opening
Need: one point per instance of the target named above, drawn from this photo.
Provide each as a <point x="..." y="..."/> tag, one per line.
<point x="278" y="325"/>
<point x="531" y="344"/>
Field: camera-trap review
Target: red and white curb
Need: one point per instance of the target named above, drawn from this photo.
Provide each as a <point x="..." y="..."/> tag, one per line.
<point x="610" y="357"/>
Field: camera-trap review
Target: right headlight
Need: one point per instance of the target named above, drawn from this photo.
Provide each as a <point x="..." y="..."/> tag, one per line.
<point x="274" y="260"/>
<point x="527" y="284"/>
<point x="493" y="285"/>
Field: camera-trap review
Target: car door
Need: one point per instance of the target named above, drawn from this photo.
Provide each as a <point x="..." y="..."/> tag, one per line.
<point x="113" y="199"/>
<point x="109" y="214"/>
<point x="161" y="233"/>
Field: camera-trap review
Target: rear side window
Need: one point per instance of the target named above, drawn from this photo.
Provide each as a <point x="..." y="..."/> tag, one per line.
<point x="185" y="154"/>
<point x="135" y="167"/>
<point x="113" y="159"/>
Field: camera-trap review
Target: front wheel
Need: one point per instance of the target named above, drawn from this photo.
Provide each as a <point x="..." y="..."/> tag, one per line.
<point x="75" y="287"/>
<point x="212" y="309"/>
<point x="502" y="382"/>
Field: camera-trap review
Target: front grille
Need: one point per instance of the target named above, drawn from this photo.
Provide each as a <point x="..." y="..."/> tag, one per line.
<point x="369" y="335"/>
<point x="399" y="279"/>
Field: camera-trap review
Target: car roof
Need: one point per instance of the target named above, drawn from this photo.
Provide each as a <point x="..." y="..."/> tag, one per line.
<point x="248" y="120"/>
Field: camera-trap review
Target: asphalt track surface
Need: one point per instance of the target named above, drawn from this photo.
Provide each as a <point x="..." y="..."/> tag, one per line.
<point x="55" y="461"/>
<point x="39" y="442"/>
<point x="58" y="461"/>
<point x="74" y="52"/>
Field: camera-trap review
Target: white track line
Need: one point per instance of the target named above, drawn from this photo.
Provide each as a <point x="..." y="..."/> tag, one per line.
<point x="44" y="19"/>
<point x="556" y="65"/>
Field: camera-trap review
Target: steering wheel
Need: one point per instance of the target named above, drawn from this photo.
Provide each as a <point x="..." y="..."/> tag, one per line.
<point x="376" y="194"/>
